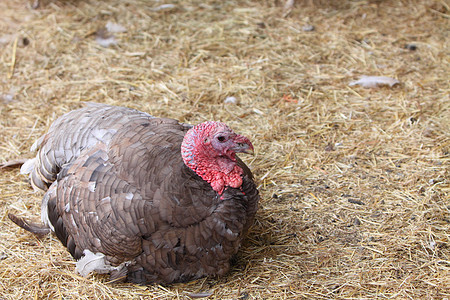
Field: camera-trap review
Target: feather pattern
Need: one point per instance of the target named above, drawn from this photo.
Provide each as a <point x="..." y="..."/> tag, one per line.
<point x="119" y="190"/>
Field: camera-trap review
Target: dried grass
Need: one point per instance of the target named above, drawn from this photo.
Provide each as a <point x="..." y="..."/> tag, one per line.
<point x="354" y="182"/>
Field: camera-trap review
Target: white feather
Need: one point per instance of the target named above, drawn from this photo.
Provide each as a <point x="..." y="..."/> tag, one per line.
<point x="106" y="42"/>
<point x="374" y="81"/>
<point x="28" y="166"/>
<point x="91" y="262"/>
<point x="44" y="210"/>
<point x="106" y="199"/>
<point x="36" y="144"/>
<point x="164" y="7"/>
<point x="115" y="28"/>
<point x="91" y="186"/>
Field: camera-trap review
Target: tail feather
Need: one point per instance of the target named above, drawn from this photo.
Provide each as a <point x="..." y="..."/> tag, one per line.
<point x="37" y="144"/>
<point x="28" y="166"/>
<point x="37" y="229"/>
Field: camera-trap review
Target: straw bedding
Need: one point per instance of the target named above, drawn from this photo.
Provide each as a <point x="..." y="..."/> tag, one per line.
<point x="354" y="181"/>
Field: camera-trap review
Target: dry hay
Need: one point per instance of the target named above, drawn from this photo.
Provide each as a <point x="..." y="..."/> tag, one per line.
<point x="354" y="182"/>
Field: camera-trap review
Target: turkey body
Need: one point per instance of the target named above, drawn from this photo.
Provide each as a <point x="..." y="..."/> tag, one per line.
<point x="117" y="187"/>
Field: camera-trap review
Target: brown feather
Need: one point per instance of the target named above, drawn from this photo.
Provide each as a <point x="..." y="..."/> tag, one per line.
<point x="37" y="229"/>
<point x="121" y="188"/>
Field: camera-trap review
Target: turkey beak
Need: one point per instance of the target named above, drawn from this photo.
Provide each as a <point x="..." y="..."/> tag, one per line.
<point x="242" y="145"/>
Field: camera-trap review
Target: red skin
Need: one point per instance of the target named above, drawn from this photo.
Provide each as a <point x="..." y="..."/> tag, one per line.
<point x="209" y="149"/>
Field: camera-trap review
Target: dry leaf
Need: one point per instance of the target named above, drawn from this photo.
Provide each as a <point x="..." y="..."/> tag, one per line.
<point x="374" y="81"/>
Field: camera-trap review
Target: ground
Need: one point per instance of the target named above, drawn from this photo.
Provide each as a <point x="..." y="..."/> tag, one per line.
<point x="354" y="181"/>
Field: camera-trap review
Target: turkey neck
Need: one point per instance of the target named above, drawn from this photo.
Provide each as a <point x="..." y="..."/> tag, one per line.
<point x="218" y="170"/>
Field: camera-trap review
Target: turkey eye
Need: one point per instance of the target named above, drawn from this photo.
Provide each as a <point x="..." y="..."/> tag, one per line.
<point x="221" y="139"/>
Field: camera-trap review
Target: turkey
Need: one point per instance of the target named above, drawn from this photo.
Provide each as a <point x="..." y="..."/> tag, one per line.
<point x="146" y="199"/>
